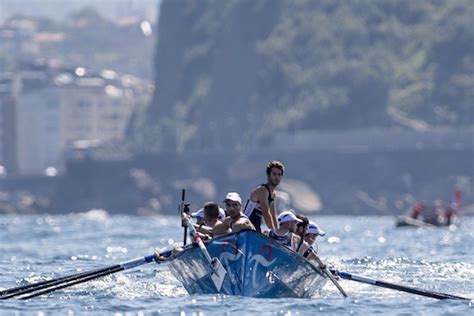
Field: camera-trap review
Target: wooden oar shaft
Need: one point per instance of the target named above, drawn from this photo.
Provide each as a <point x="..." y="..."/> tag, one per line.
<point x="45" y="284"/>
<point x="5" y="293"/>
<point x="66" y="281"/>
<point x="330" y="276"/>
<point x="218" y="271"/>
<point x="441" y="296"/>
<point x="71" y="283"/>
<point x="199" y="241"/>
<point x="398" y="287"/>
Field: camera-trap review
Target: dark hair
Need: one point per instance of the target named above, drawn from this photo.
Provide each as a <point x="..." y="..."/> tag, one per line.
<point x="305" y="222"/>
<point x="211" y="209"/>
<point x="275" y="164"/>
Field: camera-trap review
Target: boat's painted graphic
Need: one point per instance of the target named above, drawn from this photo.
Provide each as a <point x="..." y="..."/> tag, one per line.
<point x="256" y="266"/>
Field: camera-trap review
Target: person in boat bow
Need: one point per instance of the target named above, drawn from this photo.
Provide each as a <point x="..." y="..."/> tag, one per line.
<point x="285" y="233"/>
<point x="301" y="229"/>
<point x="261" y="201"/>
<point x="211" y="219"/>
<point x="310" y="237"/>
<point x="199" y="215"/>
<point x="236" y="221"/>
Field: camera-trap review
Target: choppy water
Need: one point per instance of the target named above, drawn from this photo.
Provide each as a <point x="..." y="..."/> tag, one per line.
<point x="34" y="248"/>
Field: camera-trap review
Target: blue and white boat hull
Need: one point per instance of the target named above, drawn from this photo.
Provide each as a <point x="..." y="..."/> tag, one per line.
<point x="256" y="266"/>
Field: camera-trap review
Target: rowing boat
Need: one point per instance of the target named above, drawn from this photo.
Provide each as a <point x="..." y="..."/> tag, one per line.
<point x="256" y="266"/>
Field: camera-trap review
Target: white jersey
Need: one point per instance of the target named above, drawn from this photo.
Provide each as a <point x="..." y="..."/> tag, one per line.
<point x="285" y="240"/>
<point x="250" y="207"/>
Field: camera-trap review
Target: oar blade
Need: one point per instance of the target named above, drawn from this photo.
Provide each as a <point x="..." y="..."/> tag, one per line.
<point x="218" y="274"/>
<point x="218" y="271"/>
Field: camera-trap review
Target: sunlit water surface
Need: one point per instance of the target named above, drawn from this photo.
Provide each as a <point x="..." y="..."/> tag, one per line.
<point x="38" y="247"/>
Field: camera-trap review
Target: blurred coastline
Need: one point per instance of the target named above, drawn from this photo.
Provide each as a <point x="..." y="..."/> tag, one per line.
<point x="119" y="105"/>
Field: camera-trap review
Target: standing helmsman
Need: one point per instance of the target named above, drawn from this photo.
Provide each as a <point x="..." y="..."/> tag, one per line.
<point x="262" y="199"/>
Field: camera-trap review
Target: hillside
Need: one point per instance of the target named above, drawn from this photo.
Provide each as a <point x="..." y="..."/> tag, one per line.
<point x="231" y="73"/>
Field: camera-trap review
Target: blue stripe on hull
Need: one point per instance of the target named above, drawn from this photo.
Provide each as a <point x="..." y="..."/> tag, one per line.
<point x="256" y="267"/>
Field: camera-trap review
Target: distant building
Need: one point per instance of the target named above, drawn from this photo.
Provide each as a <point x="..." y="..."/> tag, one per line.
<point x="8" y="161"/>
<point x="93" y="107"/>
<point x="16" y="41"/>
<point x="48" y="111"/>
<point x="37" y="123"/>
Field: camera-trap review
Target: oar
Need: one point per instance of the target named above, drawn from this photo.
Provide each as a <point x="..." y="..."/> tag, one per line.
<point x="218" y="271"/>
<point x="330" y="276"/>
<point x="184" y="208"/>
<point x="398" y="287"/>
<point x="49" y="289"/>
<point x="56" y="284"/>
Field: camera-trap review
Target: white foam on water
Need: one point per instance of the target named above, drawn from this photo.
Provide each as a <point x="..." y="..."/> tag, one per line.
<point x="94" y="215"/>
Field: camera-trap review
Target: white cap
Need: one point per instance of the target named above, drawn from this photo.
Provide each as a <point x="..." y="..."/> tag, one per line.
<point x="200" y="214"/>
<point x="314" y="229"/>
<point x="287" y="216"/>
<point x="233" y="196"/>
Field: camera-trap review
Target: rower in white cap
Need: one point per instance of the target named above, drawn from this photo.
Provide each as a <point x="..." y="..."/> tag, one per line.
<point x="310" y="237"/>
<point x="236" y="221"/>
<point x="284" y="234"/>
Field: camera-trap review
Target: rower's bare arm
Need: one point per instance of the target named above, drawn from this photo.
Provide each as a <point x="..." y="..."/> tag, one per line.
<point x="267" y="215"/>
<point x="295" y="241"/>
<point x="312" y="256"/>
<point x="241" y="224"/>
<point x="274" y="216"/>
<point x="265" y="207"/>
<point x="202" y="228"/>
<point x="303" y="248"/>
<point x="221" y="228"/>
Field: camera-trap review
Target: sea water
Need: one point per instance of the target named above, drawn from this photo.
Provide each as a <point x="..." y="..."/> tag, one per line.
<point x="39" y="247"/>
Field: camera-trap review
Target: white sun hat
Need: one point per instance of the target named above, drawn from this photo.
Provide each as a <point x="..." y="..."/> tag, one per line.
<point x="287" y="216"/>
<point x="314" y="229"/>
<point x="233" y="196"/>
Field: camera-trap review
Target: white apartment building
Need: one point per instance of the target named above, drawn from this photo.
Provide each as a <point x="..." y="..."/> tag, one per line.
<point x="8" y="163"/>
<point x="93" y="108"/>
<point x="37" y="130"/>
<point x="54" y="112"/>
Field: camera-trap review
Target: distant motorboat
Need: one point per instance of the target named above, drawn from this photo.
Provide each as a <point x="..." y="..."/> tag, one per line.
<point x="406" y="221"/>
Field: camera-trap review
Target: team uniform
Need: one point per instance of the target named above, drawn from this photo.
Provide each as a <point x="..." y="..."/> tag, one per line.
<point x="253" y="210"/>
<point x="285" y="240"/>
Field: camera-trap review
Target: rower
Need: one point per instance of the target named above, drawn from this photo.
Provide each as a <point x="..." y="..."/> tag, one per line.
<point x="236" y="221"/>
<point x="211" y="219"/>
<point x="261" y="201"/>
<point x="310" y="237"/>
<point x="199" y="215"/>
<point x="285" y="233"/>
<point x="301" y="229"/>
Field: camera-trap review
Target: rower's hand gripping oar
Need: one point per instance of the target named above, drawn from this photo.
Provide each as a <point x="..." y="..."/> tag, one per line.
<point x="331" y="277"/>
<point x="44" y="287"/>
<point x="218" y="271"/>
<point x="398" y="287"/>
